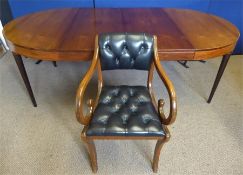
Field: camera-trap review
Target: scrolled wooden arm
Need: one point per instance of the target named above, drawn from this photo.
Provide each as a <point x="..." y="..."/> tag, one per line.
<point x="170" y="89"/>
<point x="85" y="119"/>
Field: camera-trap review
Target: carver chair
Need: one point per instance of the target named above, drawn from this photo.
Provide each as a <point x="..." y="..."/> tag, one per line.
<point x="125" y="112"/>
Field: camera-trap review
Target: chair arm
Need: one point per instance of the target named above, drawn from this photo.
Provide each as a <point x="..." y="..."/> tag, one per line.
<point x="170" y="89"/>
<point x="85" y="119"/>
<point x="172" y="95"/>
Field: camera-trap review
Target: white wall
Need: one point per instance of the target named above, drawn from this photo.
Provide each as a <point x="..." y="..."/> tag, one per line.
<point x="1" y="35"/>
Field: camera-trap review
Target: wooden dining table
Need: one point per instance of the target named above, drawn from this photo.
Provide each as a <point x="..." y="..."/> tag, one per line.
<point x="68" y="35"/>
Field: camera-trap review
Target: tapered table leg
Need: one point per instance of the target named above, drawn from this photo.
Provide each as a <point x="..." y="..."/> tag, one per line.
<point x="24" y="75"/>
<point x="54" y="63"/>
<point x="222" y="67"/>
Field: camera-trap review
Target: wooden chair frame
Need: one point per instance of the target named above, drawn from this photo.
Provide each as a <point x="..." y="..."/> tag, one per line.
<point x="85" y="119"/>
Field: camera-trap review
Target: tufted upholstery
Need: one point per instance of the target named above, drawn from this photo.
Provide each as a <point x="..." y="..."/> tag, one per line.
<point x="125" y="111"/>
<point x="125" y="51"/>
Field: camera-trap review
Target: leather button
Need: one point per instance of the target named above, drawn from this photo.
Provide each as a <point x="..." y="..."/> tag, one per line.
<point x="107" y="47"/>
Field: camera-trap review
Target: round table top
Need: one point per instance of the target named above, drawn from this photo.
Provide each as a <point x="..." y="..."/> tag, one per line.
<point x="68" y="34"/>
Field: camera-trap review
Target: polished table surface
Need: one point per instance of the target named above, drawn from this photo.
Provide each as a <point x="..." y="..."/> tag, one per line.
<point x="68" y="34"/>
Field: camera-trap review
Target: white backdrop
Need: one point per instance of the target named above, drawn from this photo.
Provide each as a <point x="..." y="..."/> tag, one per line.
<point x="1" y="34"/>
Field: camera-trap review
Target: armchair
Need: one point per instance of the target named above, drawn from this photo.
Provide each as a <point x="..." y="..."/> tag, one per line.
<point x="125" y="112"/>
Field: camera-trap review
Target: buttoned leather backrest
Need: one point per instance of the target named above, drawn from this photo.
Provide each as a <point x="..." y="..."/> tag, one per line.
<point x="125" y="51"/>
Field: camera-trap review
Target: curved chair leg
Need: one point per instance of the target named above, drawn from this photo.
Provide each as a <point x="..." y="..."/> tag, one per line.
<point x="157" y="150"/>
<point x="92" y="152"/>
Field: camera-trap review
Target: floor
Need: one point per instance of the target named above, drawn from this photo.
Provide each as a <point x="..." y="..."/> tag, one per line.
<point x="206" y="138"/>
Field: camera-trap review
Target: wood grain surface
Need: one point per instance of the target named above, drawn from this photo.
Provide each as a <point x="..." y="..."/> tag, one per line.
<point x="69" y="34"/>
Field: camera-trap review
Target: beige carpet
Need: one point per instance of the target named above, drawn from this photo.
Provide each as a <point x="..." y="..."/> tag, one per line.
<point x="206" y="138"/>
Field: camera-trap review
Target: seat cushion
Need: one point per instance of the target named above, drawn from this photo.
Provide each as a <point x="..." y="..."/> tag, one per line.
<point x="125" y="111"/>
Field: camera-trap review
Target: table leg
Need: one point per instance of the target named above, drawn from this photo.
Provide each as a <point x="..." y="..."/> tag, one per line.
<point x="222" y="67"/>
<point x="183" y="63"/>
<point x="54" y="63"/>
<point x="38" y="62"/>
<point x="24" y="75"/>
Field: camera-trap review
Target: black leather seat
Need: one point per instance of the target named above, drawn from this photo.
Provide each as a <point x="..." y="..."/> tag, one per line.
<point x="125" y="111"/>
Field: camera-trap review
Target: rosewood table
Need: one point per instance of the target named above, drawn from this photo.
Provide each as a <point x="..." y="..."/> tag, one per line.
<point x="68" y="34"/>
